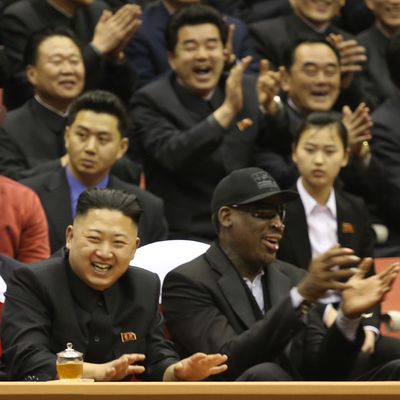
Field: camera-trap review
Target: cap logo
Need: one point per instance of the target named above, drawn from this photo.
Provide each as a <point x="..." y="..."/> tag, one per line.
<point x="262" y="180"/>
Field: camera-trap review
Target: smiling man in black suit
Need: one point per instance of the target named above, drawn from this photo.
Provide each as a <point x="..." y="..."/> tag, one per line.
<point x="91" y="297"/>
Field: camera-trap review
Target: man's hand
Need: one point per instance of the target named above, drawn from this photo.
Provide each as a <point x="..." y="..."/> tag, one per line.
<point x="230" y="58"/>
<point x="351" y="56"/>
<point x="113" y="31"/>
<point x="369" y="342"/>
<point x="233" y="102"/>
<point x="358" y="124"/>
<point x="64" y="160"/>
<point x="114" y="370"/>
<point x="197" y="367"/>
<point x="268" y="86"/>
<point x="321" y="276"/>
<point x="363" y="293"/>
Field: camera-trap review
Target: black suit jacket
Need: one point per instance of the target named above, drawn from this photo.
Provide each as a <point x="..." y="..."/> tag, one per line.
<point x="354" y="231"/>
<point x="30" y="136"/>
<point x="7" y="266"/>
<point x="186" y="153"/>
<point x="22" y="18"/>
<point x="278" y="35"/>
<point x="45" y="308"/>
<point x="53" y="191"/>
<point x="377" y="77"/>
<point x="252" y="10"/>
<point x="385" y="147"/>
<point x="207" y="309"/>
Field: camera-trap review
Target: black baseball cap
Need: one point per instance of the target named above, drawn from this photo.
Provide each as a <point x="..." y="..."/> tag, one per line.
<point x="248" y="185"/>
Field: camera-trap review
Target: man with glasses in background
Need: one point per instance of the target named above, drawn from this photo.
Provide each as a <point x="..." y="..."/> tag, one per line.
<point x="238" y="299"/>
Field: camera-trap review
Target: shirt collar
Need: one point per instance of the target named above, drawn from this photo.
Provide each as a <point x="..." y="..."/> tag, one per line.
<point x="53" y="120"/>
<point x="51" y="108"/>
<point x="76" y="188"/>
<point x="183" y="89"/>
<point x="256" y="278"/>
<point x="295" y="108"/>
<point x="312" y="26"/>
<point x="88" y="298"/>
<point x="310" y="204"/>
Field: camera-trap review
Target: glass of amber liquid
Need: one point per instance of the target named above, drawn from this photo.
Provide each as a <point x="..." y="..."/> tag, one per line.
<point x="69" y="364"/>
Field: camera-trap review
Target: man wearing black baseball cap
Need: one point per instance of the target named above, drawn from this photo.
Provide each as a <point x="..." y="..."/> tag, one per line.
<point x="239" y="300"/>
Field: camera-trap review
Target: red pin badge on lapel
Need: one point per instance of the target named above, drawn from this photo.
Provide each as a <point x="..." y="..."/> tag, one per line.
<point x="347" y="227"/>
<point x="127" y="336"/>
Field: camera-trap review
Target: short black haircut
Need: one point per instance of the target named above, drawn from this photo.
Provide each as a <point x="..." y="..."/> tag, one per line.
<point x="193" y="15"/>
<point x="289" y="52"/>
<point x="321" y="120"/>
<point x="100" y="101"/>
<point x="32" y="45"/>
<point x="393" y="59"/>
<point x="109" y="199"/>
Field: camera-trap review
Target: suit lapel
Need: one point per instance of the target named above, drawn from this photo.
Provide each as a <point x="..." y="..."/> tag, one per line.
<point x="230" y="285"/>
<point x="56" y="199"/>
<point x="346" y="223"/>
<point x="296" y="232"/>
<point x="278" y="285"/>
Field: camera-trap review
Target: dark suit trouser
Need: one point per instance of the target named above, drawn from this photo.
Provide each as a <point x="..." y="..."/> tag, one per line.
<point x="382" y="365"/>
<point x="268" y="372"/>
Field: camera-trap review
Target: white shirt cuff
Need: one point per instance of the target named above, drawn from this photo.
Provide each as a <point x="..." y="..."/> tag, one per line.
<point x="296" y="297"/>
<point x="347" y="326"/>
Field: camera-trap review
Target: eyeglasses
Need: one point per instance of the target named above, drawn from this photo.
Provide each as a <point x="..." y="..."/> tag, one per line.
<point x="258" y="212"/>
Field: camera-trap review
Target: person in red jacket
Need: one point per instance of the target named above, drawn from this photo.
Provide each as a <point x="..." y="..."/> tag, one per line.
<point x="23" y="224"/>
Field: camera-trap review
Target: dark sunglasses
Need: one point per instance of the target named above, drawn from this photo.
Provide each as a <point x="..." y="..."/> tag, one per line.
<point x="266" y="213"/>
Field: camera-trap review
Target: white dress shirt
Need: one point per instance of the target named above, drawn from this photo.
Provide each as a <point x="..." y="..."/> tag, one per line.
<point x="256" y="288"/>
<point x="322" y="228"/>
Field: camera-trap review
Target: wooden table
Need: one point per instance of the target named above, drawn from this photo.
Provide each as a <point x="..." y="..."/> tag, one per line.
<point x="200" y="391"/>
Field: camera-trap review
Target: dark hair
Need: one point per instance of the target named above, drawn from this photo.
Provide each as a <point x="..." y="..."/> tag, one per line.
<point x="110" y="199"/>
<point x="193" y="15"/>
<point x="100" y="101"/>
<point x="393" y="59"/>
<point x="321" y="120"/>
<point x="290" y="51"/>
<point x="37" y="38"/>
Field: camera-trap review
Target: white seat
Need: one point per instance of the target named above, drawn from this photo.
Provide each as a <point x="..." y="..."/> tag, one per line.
<point x="3" y="288"/>
<point x="161" y="257"/>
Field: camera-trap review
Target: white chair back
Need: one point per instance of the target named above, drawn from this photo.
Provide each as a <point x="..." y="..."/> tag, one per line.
<point x="3" y="288"/>
<point x="161" y="257"/>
